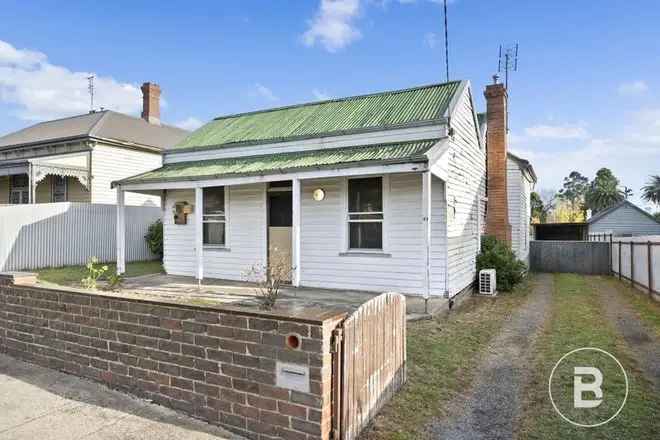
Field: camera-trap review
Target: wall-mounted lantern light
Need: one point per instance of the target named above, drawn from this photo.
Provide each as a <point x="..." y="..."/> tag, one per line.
<point x="319" y="194"/>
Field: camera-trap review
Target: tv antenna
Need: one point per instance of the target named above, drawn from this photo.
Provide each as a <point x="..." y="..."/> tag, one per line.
<point x="508" y="61"/>
<point x="446" y="43"/>
<point x="90" y="89"/>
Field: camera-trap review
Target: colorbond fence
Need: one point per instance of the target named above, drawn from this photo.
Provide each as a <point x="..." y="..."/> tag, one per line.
<point x="61" y="234"/>
<point x="635" y="259"/>
<point x="569" y="256"/>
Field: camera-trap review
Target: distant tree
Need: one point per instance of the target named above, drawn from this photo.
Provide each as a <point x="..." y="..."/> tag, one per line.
<point x="603" y="191"/>
<point x="563" y="212"/>
<point x="573" y="191"/>
<point x="627" y="192"/>
<point x="651" y="191"/>
<point x="540" y="209"/>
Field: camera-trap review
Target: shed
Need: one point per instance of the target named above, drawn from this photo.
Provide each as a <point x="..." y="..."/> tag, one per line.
<point x="624" y="219"/>
<point x="560" y="231"/>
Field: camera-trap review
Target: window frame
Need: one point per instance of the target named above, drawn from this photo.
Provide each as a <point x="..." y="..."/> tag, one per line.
<point x="20" y="190"/>
<point x="225" y="221"/>
<point x="346" y="220"/>
<point x="54" y="185"/>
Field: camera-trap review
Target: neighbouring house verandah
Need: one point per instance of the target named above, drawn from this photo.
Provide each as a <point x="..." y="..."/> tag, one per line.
<point x="46" y="180"/>
<point x="332" y="216"/>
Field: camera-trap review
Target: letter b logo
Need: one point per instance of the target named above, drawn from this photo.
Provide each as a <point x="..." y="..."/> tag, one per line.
<point x="580" y="387"/>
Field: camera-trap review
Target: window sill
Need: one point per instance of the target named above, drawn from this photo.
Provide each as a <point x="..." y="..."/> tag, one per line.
<point x="365" y="253"/>
<point x="216" y="248"/>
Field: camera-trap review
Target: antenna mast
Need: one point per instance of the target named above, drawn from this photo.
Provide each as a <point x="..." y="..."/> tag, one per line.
<point x="508" y="61"/>
<point x="446" y="43"/>
<point x="90" y="89"/>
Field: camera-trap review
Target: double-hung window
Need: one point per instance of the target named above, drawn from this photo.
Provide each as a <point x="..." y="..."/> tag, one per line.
<point x="365" y="213"/>
<point x="59" y="192"/>
<point x="214" y="217"/>
<point x="18" y="189"/>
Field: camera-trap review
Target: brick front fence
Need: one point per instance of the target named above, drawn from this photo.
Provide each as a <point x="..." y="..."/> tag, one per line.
<point x="217" y="364"/>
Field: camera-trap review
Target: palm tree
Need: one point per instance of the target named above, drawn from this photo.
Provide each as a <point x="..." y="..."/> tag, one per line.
<point x="651" y="191"/>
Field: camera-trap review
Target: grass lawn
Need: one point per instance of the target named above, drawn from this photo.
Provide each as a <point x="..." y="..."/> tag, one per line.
<point x="577" y="321"/>
<point x="648" y="309"/>
<point x="72" y="275"/>
<point x="440" y="353"/>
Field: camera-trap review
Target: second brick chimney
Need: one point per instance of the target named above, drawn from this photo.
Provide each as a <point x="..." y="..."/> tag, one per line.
<point x="151" y="103"/>
<point x="497" y="218"/>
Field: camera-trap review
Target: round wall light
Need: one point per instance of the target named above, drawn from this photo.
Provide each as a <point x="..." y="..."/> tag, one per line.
<point x="319" y="194"/>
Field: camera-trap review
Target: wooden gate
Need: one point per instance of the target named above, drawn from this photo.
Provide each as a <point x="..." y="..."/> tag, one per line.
<point x="370" y="362"/>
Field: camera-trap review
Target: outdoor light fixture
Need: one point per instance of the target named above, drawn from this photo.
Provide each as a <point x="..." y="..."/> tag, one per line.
<point x="319" y="194"/>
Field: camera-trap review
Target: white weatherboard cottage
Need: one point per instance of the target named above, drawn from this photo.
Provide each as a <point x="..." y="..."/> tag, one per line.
<point x="379" y="192"/>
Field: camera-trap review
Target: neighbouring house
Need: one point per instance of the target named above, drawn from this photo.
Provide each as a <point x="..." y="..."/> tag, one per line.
<point x="75" y="159"/>
<point x="380" y="192"/>
<point x="623" y="219"/>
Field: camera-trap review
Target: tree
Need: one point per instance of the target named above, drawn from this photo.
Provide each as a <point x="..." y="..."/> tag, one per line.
<point x="539" y="208"/>
<point x="627" y="192"/>
<point x="573" y="191"/>
<point x="651" y="191"/>
<point x="603" y="191"/>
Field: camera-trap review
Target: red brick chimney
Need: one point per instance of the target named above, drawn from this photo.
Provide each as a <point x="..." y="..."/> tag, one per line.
<point x="151" y="103"/>
<point x="497" y="218"/>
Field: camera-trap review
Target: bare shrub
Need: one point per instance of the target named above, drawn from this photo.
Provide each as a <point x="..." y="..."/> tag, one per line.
<point x="269" y="278"/>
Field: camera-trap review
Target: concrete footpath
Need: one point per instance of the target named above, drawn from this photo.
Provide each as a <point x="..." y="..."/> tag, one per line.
<point x="36" y="402"/>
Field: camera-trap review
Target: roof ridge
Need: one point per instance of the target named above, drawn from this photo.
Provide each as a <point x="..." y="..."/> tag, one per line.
<point x="146" y="122"/>
<point x="325" y="101"/>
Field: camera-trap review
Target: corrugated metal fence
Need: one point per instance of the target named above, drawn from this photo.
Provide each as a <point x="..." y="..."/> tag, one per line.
<point x="371" y="364"/>
<point x="569" y="256"/>
<point x="62" y="234"/>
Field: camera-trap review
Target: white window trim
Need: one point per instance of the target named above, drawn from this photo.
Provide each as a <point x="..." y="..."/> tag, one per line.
<point x="226" y="245"/>
<point x="345" y="224"/>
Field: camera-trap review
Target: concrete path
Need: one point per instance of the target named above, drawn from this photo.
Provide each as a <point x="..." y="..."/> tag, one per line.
<point x="644" y="344"/>
<point x="491" y="407"/>
<point x="37" y="403"/>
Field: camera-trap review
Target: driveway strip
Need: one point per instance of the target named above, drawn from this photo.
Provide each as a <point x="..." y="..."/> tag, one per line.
<point x="491" y="407"/>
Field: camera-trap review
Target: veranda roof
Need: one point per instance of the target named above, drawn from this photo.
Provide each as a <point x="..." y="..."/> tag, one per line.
<point x="391" y="153"/>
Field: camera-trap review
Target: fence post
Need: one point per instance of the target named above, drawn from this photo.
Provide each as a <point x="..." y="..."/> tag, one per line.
<point x="650" y="277"/>
<point x="611" y="265"/>
<point x="632" y="263"/>
<point x="619" y="259"/>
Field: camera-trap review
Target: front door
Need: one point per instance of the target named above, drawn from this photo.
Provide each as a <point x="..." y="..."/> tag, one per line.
<point x="279" y="228"/>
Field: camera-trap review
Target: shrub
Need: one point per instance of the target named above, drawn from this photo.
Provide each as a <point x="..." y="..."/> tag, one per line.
<point x="115" y="281"/>
<point x="496" y="254"/>
<point x="154" y="238"/>
<point x="269" y="278"/>
<point x="94" y="272"/>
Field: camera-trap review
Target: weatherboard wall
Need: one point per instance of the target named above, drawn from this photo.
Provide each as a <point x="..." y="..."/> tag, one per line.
<point x="465" y="186"/>
<point x="625" y="220"/>
<point x="519" y="191"/>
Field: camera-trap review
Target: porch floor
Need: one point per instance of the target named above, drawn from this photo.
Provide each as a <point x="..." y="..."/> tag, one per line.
<point x="244" y="294"/>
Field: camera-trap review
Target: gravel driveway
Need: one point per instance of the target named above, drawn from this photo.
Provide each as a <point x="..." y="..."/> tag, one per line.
<point x="490" y="409"/>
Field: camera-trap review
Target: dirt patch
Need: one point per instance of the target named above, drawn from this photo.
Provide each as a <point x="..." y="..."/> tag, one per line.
<point x="644" y="345"/>
<point x="491" y="407"/>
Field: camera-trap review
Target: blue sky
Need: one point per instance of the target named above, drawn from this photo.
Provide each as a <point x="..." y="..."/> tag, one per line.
<point x="586" y="94"/>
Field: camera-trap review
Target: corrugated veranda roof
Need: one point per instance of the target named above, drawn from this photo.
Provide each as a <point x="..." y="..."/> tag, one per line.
<point x="399" y="152"/>
<point x="379" y="110"/>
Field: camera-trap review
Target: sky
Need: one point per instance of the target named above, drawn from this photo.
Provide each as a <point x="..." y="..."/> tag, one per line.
<point x="586" y="94"/>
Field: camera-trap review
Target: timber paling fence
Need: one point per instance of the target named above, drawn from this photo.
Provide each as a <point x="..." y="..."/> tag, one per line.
<point x="63" y="234"/>
<point x="635" y="259"/>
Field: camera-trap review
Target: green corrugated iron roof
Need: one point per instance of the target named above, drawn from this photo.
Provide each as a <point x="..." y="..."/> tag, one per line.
<point x="379" y="110"/>
<point x="399" y="152"/>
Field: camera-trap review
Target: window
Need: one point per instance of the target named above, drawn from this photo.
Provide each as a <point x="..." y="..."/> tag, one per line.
<point x="59" y="190"/>
<point x="365" y="213"/>
<point x="19" y="189"/>
<point x="214" y="217"/>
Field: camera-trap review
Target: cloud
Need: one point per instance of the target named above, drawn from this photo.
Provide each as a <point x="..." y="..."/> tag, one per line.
<point x="264" y="92"/>
<point x="334" y="25"/>
<point x="431" y="39"/>
<point x="633" y="88"/>
<point x="40" y="90"/>
<point x="557" y="131"/>
<point x="191" y="123"/>
<point x="320" y="95"/>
